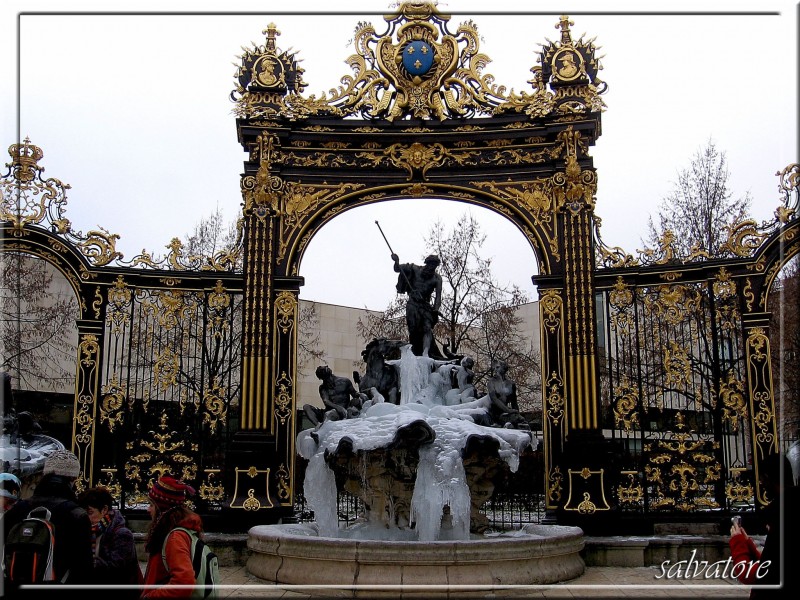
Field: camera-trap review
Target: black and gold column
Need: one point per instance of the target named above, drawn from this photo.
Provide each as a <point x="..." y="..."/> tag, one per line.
<point x="283" y="380"/>
<point x="551" y="317"/>
<point x="258" y="460"/>
<point x="584" y="467"/>
<point x="760" y="393"/>
<point x="87" y="388"/>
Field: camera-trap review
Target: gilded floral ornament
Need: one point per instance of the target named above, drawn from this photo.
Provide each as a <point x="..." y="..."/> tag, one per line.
<point x="26" y="197"/>
<point x="626" y="399"/>
<point x="724" y="286"/>
<point x="610" y="257"/>
<point x="742" y="238"/>
<point x="734" y="405"/>
<point x="789" y="185"/>
<point x="112" y="403"/>
<point x="418" y="68"/>
<point x="29" y="200"/>
<point x="214" y="406"/>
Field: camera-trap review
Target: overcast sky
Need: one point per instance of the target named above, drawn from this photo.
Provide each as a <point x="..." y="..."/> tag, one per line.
<point x="133" y="111"/>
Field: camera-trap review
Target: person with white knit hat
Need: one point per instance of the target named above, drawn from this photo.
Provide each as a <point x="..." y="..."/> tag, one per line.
<point x="72" y="554"/>
<point x="64" y="463"/>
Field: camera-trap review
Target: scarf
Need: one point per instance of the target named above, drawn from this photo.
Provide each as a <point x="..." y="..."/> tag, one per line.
<point x="98" y="529"/>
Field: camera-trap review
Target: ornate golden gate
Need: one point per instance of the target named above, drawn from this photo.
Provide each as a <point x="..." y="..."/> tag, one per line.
<point x="417" y="119"/>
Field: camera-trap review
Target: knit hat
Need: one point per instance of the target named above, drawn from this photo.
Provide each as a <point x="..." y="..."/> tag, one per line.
<point x="62" y="462"/>
<point x="10" y="485"/>
<point x="168" y="492"/>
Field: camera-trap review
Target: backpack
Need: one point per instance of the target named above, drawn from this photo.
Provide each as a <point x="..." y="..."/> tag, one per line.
<point x="28" y="551"/>
<point x="204" y="562"/>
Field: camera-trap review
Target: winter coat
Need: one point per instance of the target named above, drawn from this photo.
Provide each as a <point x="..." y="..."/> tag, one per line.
<point x="115" y="559"/>
<point x="744" y="550"/>
<point x="71" y="524"/>
<point x="179" y="570"/>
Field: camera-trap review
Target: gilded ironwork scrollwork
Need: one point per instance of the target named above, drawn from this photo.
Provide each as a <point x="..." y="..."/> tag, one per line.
<point x="211" y="490"/>
<point x="570" y="69"/>
<point x="283" y="398"/>
<point x="28" y="200"/>
<point x="109" y="481"/>
<point x="285" y="310"/>
<point x="555" y="403"/>
<point x="535" y="198"/>
<point x="112" y="403"/>
<point x="422" y="157"/>
<point x="682" y="469"/>
<point x="607" y="256"/>
<point x="734" y="404"/>
<point x="621" y="305"/>
<point x="743" y="238"/>
<point x="626" y="401"/>
<point x="738" y="491"/>
<point x="551" y="306"/>
<point x="219" y="303"/>
<point x="214" y="406"/>
<point x="555" y="479"/>
<point x="418" y="68"/>
<point x="677" y="367"/>
<point x="575" y="188"/>
<point x="673" y="302"/>
<point x="588" y="485"/>
<point x="284" y="483"/>
<point x="251" y="492"/>
<point x="789" y="186"/>
<point x="632" y="493"/>
<point x="300" y="200"/>
<point x="158" y="453"/>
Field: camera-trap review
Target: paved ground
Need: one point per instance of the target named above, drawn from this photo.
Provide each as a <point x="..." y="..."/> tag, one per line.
<point x="596" y="582"/>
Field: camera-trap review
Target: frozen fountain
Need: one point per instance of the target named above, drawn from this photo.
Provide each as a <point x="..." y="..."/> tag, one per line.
<point x="24" y="448"/>
<point x="422" y="469"/>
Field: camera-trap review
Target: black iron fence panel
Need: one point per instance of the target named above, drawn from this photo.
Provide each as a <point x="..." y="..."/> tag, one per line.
<point x="169" y="390"/>
<point x="672" y="382"/>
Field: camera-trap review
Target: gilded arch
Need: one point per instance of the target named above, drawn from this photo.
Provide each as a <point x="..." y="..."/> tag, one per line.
<point x="496" y="203"/>
<point x="406" y="125"/>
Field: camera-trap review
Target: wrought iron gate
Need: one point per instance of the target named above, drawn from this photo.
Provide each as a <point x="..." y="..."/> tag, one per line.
<point x="188" y="364"/>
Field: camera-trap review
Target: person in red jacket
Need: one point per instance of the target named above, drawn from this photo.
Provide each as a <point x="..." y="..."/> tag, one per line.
<point x="168" y="510"/>
<point x="762" y="568"/>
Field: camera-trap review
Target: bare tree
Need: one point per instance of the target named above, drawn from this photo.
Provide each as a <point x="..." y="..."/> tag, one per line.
<point x="684" y="357"/>
<point x="479" y="316"/>
<point x="699" y="207"/>
<point x="211" y="235"/>
<point x="210" y="356"/>
<point x="705" y="343"/>
<point x="37" y="325"/>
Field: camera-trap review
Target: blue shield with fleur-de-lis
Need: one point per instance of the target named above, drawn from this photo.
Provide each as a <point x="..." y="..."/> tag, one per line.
<point x="417" y="57"/>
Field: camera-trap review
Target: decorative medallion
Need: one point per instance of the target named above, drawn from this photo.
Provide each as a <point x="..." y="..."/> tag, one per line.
<point x="267" y="73"/>
<point x="419" y="68"/>
<point x="567" y="64"/>
<point x="417" y="59"/>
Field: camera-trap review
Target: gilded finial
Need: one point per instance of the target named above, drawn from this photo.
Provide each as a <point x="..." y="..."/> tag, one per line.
<point x="564" y="24"/>
<point x="271" y="32"/>
<point x="26" y="154"/>
<point x="25" y="159"/>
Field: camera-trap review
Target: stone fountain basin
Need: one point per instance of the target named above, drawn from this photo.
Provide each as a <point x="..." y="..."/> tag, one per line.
<point x="295" y="554"/>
